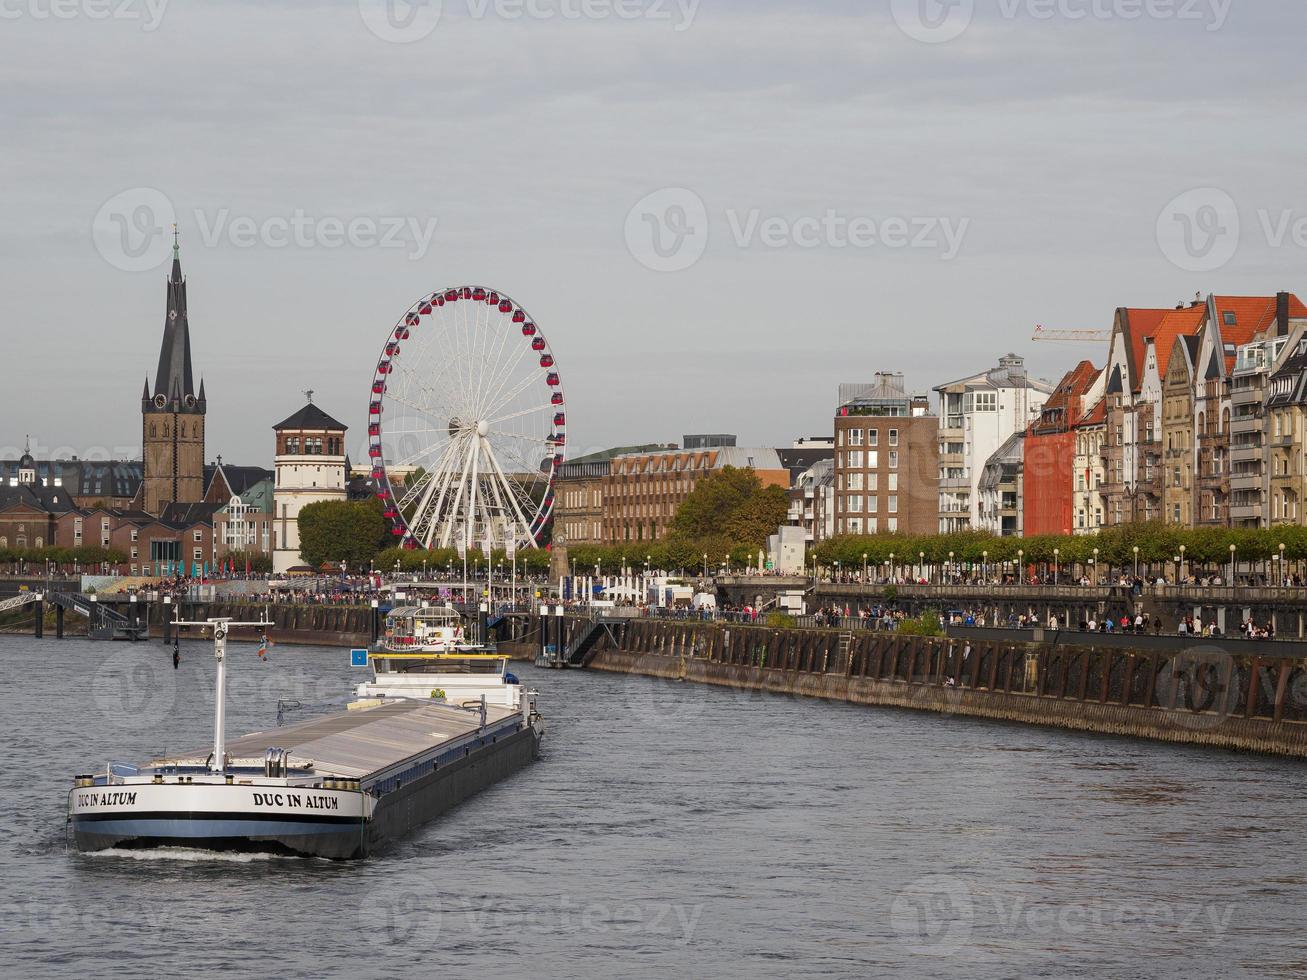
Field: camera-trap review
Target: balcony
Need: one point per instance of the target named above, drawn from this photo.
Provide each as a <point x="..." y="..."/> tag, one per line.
<point x="955" y="483"/>
<point x="1251" y="395"/>
<point x="951" y="459"/>
<point x="1246" y="511"/>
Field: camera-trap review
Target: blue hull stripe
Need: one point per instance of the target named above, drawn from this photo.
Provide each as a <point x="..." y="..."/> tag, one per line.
<point x="209" y="828"/>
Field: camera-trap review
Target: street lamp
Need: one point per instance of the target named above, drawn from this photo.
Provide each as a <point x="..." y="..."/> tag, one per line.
<point x="1093" y="567"/>
<point x="1021" y="565"/>
<point x="837" y="569"/>
<point x="864" y="566"/>
<point x="984" y="566"/>
<point x="1284" y="569"/>
<point x="1057" y="552"/>
<point x="1135" y="549"/>
<point x="891" y="564"/>
<point x="948" y="569"/>
<point x="1182" y="568"/>
<point x="705" y="564"/>
<point x="921" y="562"/>
<point x="1233" y="548"/>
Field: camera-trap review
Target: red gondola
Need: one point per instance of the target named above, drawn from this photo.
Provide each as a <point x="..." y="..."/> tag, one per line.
<point x="557" y="398"/>
<point x="519" y="317"/>
<point x="374" y="430"/>
<point x="375" y="452"/>
<point x="465" y="293"/>
<point x="551" y="379"/>
<point x="558" y="439"/>
<point x="451" y="295"/>
<point x="546" y="360"/>
<point x="383" y="367"/>
<point x="478" y="294"/>
<point x="492" y="299"/>
<point x="411" y="320"/>
<point x="505" y="306"/>
<point x="538" y="343"/>
<point x="379" y="388"/>
<point x="528" y="329"/>
<point x="397" y="531"/>
<point x="560" y="418"/>
<point x="426" y="309"/>
<point x="374" y="408"/>
<point x="392" y="349"/>
<point x="383" y="494"/>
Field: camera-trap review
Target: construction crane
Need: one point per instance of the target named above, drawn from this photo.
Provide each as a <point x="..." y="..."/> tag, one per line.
<point x="1072" y="336"/>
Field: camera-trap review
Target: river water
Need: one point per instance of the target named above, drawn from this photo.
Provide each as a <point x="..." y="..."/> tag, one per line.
<point x="669" y="830"/>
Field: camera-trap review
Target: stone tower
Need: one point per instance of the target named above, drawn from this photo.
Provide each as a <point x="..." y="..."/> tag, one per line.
<point x="172" y="419"/>
<point x="311" y="467"/>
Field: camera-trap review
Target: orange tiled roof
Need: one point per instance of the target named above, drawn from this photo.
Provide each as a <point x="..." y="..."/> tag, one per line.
<point x="1176" y="323"/>
<point x="1141" y="323"/>
<point x="1096" y="415"/>
<point x="1252" y="315"/>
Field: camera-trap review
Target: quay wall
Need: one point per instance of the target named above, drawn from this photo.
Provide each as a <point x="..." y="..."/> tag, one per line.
<point x="1197" y="695"/>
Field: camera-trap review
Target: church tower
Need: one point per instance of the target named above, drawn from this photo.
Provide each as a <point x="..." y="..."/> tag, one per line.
<point x="172" y="419"/>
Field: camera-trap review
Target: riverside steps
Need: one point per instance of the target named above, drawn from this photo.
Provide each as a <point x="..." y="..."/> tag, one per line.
<point x="1225" y="693"/>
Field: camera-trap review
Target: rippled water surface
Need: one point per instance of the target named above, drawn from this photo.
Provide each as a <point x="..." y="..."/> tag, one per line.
<point x="669" y="830"/>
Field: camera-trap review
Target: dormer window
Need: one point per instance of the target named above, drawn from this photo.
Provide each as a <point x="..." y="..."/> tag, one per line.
<point x="1230" y="319"/>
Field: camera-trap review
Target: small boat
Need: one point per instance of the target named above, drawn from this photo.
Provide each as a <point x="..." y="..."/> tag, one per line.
<point x="340" y="786"/>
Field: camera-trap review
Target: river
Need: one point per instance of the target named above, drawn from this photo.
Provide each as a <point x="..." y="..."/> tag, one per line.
<point x="668" y="830"/>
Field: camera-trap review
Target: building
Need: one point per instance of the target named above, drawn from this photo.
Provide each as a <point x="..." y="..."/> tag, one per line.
<point x="1250" y="448"/>
<point x="812" y="502"/>
<point x="173" y="417"/>
<point x="711" y="441"/>
<point x="245" y="523"/>
<point x="977" y="415"/>
<point x="113" y="483"/>
<point x="1286" y="433"/>
<point x="1049" y="468"/>
<point x="1178" y="433"/>
<point x="1002" y="489"/>
<point x="579" y="494"/>
<point x="643" y="490"/>
<point x="310" y="467"/>
<point x="1087" y="495"/>
<point x="886" y="460"/>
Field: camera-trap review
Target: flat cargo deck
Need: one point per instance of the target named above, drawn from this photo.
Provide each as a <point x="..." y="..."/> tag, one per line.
<point x="357" y="744"/>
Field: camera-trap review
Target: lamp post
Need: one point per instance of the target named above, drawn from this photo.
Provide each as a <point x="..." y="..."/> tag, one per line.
<point x="948" y="569"/>
<point x="1135" y="549"/>
<point x="984" y="566"/>
<point x="921" y="562"/>
<point x="1021" y="565"/>
<point x="864" y="567"/>
<point x="705" y="564"/>
<point x="837" y="569"/>
<point x="1093" y="568"/>
<point x="1057" y="552"/>
<point x="1233" y="549"/>
<point x="891" y="565"/>
<point x="1182" y="564"/>
<point x="1176" y="559"/>
<point x="1284" y="570"/>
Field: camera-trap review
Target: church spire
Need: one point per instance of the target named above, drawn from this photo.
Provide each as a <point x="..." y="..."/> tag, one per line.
<point x="174" y="377"/>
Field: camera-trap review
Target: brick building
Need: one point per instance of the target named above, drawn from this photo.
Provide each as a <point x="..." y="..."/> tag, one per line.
<point x="886" y="460"/>
<point x="1050" y="451"/>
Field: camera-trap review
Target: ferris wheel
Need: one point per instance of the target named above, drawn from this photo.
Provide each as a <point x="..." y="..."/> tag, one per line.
<point x="466" y="423"/>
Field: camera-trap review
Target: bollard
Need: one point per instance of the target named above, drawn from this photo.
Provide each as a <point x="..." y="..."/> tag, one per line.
<point x="40" y="618"/>
<point x="58" y="622"/>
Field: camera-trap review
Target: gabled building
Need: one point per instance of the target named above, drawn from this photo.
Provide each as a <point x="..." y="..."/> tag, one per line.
<point x="1050" y="453"/>
<point x="1087" y="496"/>
<point x="1002" y="489"/>
<point x="311" y="467"/>
<point x="1286" y="409"/>
<point x="1178" y="452"/>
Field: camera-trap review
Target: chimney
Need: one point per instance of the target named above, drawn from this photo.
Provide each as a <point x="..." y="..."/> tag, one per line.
<point x="1198" y="300"/>
<point x="1281" y="314"/>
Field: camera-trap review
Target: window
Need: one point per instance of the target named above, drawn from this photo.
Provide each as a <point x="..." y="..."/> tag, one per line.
<point x="199" y="554"/>
<point x="873" y="504"/>
<point x="873" y="481"/>
<point x="855" y="481"/>
<point x="853" y="503"/>
<point x="873" y="437"/>
<point x="1229" y="318"/>
<point x="894" y="459"/>
<point x="893" y="481"/>
<point x="893" y="503"/>
<point x="855" y="437"/>
<point x="871" y="525"/>
<point x="893" y="437"/>
<point x="873" y="458"/>
<point x="892" y="524"/>
<point x="855" y="525"/>
<point x="855" y="458"/>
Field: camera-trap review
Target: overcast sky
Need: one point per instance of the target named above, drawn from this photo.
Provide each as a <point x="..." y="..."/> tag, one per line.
<point x="837" y="188"/>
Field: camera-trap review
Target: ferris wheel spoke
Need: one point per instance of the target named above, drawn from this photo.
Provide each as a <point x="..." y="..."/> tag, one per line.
<point x="543" y="407"/>
<point x="504" y="399"/>
<point x="499" y="472"/>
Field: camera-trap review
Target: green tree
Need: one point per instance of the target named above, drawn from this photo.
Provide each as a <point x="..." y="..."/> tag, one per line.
<point x="731" y="504"/>
<point x="333" y="531"/>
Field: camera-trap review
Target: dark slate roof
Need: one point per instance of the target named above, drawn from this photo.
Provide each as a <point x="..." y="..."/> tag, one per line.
<point x="51" y="500"/>
<point x="310" y="417"/>
<point x="175" y="379"/>
<point x="185" y="515"/>
<point x="798" y="461"/>
<point x="83" y="477"/>
<point x="239" y="478"/>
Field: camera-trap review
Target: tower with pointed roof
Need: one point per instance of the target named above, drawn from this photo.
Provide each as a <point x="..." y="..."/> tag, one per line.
<point x="173" y="416"/>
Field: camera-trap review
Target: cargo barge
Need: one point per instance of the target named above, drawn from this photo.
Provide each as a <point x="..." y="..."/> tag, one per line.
<point x="341" y="786"/>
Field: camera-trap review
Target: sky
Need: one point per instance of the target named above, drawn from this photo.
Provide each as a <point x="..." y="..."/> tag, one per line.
<point x="716" y="210"/>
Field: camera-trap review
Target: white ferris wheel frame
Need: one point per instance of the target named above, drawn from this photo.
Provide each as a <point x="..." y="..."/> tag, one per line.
<point x="467" y="391"/>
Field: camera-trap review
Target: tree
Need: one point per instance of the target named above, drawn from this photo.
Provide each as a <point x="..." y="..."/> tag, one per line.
<point x="332" y="531"/>
<point x="733" y="504"/>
